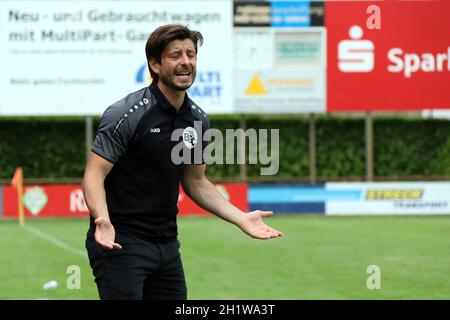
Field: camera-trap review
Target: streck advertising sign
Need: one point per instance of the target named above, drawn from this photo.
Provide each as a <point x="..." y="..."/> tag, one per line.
<point x="394" y="55"/>
<point x="385" y="198"/>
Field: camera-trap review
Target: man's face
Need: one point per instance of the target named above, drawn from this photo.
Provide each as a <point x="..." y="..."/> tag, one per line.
<point x="177" y="69"/>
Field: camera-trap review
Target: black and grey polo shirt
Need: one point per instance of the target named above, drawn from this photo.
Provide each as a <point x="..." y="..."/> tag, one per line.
<point x="149" y="143"/>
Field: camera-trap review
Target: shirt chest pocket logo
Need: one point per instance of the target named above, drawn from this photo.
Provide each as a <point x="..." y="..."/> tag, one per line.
<point x="190" y="137"/>
<point x="155" y="130"/>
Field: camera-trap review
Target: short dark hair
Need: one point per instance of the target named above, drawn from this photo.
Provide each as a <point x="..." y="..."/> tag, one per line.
<point x="162" y="36"/>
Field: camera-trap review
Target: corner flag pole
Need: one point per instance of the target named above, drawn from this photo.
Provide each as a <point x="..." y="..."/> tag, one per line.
<point x="17" y="182"/>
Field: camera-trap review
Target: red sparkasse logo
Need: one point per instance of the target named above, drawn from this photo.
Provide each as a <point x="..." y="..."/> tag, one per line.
<point x="404" y="65"/>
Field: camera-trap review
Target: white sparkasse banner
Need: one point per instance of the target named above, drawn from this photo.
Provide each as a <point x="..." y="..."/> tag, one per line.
<point x="384" y="198"/>
<point x="79" y="57"/>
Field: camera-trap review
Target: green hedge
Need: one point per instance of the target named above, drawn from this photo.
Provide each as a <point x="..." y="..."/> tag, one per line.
<point x="54" y="147"/>
<point x="44" y="147"/>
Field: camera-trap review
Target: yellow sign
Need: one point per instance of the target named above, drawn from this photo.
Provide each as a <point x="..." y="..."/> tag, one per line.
<point x="394" y="194"/>
<point x="256" y="86"/>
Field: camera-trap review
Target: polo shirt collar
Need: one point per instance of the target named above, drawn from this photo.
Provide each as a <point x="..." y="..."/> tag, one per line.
<point x="164" y="103"/>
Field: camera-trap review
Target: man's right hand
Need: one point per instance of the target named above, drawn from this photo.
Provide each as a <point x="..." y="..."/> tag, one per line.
<point x="105" y="234"/>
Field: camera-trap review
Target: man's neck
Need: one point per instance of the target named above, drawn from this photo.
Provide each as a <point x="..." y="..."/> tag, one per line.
<point x="176" y="98"/>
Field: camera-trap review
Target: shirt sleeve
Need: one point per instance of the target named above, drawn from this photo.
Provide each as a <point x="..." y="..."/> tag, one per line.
<point x="113" y="135"/>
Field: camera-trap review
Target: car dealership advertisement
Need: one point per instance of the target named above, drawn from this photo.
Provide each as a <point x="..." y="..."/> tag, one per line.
<point x="79" y="57"/>
<point x="388" y="55"/>
<point x="68" y="200"/>
<point x="382" y="198"/>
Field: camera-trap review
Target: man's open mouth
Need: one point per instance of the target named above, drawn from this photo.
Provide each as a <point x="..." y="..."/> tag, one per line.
<point x="183" y="74"/>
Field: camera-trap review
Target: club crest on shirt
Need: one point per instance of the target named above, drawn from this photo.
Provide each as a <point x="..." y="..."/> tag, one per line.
<point x="190" y="137"/>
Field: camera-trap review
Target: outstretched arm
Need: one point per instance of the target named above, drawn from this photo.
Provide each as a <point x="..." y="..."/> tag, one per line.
<point x="94" y="194"/>
<point x="202" y="191"/>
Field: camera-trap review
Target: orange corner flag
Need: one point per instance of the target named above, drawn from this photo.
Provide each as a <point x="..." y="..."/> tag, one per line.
<point x="18" y="178"/>
<point x="17" y="183"/>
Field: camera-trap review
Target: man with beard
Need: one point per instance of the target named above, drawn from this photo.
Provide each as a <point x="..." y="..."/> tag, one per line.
<point x="131" y="182"/>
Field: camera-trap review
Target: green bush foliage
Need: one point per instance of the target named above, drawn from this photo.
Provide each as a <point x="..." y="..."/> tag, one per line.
<point x="54" y="147"/>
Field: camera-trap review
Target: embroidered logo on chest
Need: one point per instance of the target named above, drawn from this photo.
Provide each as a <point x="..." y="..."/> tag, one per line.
<point x="190" y="137"/>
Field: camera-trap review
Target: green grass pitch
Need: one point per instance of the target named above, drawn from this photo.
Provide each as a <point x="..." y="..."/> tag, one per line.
<point x="320" y="257"/>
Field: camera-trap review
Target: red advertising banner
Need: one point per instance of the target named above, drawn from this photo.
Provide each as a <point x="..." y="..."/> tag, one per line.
<point x="46" y="201"/>
<point x="236" y="193"/>
<point x="391" y="55"/>
<point x="68" y="200"/>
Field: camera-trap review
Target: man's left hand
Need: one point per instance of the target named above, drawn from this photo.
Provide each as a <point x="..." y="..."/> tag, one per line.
<point x="253" y="225"/>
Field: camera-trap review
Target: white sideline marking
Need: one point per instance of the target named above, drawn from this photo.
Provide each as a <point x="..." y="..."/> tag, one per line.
<point x="55" y="241"/>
